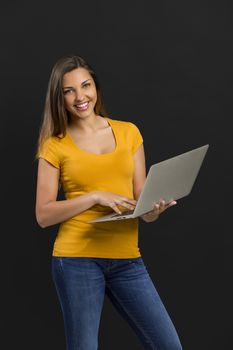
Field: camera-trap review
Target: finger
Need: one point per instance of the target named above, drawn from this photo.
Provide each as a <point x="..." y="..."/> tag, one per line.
<point x="171" y="204"/>
<point x="159" y="205"/>
<point x="129" y="205"/>
<point x="128" y="200"/>
<point x="172" y="200"/>
<point x="124" y="204"/>
<point x="156" y="208"/>
<point x="162" y="204"/>
<point x="115" y="208"/>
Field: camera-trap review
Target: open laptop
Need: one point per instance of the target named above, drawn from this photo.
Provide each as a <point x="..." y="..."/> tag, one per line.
<point x="169" y="180"/>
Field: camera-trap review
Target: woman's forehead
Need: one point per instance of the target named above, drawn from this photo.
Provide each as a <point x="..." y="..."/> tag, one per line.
<point x="77" y="74"/>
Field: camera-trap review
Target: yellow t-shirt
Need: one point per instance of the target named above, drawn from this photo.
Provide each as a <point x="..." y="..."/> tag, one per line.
<point x="82" y="172"/>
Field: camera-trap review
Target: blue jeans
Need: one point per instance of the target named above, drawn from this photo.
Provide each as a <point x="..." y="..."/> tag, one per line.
<point x="81" y="284"/>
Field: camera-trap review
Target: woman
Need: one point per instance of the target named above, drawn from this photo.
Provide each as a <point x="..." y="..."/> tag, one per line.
<point x="100" y="164"/>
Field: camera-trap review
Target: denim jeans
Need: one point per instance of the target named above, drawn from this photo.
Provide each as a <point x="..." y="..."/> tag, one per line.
<point x="81" y="284"/>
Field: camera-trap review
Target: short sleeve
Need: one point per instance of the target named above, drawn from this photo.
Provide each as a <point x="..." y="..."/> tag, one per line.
<point x="136" y="138"/>
<point x="49" y="152"/>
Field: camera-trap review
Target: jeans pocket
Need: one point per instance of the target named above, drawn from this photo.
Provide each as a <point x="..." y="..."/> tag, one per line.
<point x="137" y="261"/>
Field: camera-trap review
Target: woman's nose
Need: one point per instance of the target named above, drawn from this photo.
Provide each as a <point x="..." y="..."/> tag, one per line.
<point x="79" y="96"/>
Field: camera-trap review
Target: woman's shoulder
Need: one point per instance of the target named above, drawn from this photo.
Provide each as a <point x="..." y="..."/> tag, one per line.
<point x="56" y="139"/>
<point x="129" y="133"/>
<point x="123" y="124"/>
<point x="52" y="142"/>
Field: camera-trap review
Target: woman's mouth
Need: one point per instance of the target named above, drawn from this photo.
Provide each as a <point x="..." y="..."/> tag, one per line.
<point x="82" y="107"/>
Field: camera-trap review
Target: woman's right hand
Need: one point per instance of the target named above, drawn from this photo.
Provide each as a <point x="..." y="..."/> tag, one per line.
<point x="112" y="200"/>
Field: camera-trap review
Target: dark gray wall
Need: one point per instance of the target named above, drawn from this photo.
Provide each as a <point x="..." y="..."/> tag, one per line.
<point x="167" y="67"/>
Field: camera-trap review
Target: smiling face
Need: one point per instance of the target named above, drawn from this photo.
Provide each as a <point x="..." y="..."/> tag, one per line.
<point x="79" y="92"/>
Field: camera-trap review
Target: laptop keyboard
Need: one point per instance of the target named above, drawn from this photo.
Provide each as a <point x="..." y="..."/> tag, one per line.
<point x="128" y="212"/>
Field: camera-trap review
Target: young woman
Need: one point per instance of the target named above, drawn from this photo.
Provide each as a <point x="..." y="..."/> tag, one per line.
<point x="100" y="164"/>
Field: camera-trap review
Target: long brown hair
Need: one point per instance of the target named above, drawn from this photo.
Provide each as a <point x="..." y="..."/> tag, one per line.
<point x="55" y="117"/>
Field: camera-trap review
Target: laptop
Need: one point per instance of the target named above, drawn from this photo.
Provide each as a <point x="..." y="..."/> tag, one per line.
<point x="169" y="180"/>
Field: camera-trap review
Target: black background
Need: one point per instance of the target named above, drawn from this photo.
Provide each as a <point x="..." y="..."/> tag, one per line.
<point x="167" y="67"/>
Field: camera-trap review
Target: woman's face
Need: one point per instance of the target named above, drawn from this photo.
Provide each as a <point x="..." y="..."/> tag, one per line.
<point x="79" y="92"/>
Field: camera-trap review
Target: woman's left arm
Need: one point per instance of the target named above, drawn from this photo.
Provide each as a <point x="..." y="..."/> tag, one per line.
<point x="139" y="179"/>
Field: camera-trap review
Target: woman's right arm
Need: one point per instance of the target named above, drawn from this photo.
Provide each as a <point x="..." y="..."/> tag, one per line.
<point x="49" y="211"/>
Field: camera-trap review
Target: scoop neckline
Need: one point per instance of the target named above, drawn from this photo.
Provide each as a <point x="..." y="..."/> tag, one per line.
<point x="96" y="154"/>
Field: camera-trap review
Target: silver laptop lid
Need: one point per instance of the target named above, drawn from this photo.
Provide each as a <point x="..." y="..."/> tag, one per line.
<point x="170" y="179"/>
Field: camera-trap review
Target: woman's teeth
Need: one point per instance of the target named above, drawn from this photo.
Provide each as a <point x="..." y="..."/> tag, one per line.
<point x="82" y="107"/>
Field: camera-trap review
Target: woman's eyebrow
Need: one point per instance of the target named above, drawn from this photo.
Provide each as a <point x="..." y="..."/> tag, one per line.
<point x="66" y="87"/>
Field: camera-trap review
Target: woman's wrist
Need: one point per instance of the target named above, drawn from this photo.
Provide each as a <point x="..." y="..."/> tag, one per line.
<point x="94" y="196"/>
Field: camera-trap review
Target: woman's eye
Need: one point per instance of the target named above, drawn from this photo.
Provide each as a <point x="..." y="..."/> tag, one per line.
<point x="65" y="92"/>
<point x="87" y="84"/>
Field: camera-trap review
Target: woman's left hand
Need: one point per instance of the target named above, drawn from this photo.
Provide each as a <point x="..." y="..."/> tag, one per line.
<point x="157" y="210"/>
